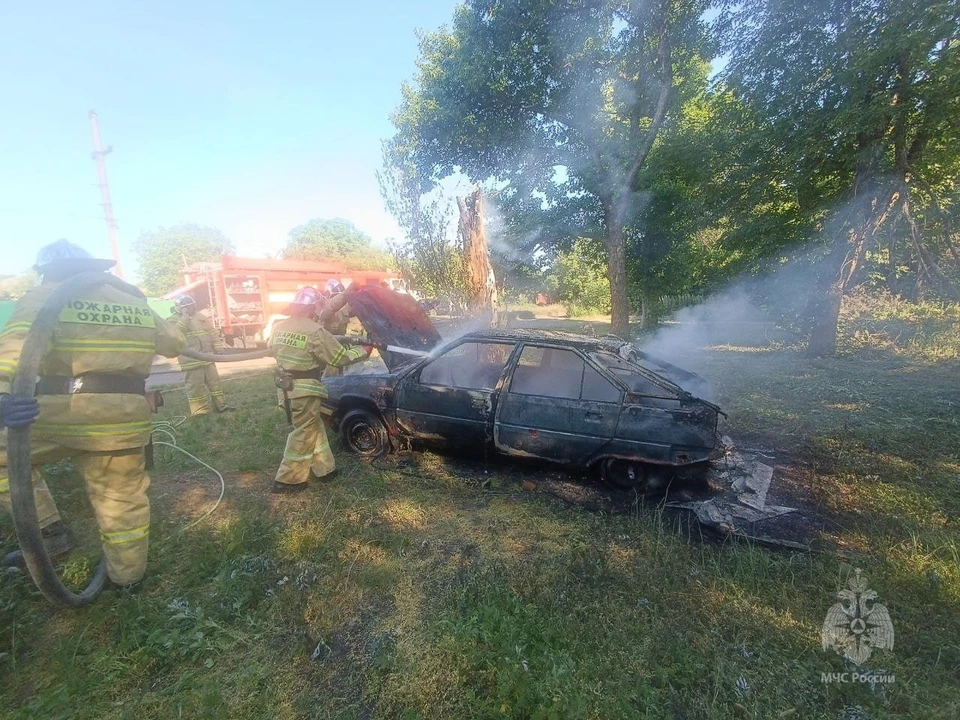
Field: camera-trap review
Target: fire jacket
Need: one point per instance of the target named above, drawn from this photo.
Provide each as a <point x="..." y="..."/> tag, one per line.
<point x="337" y="324"/>
<point x="303" y="346"/>
<point x="201" y="336"/>
<point x="103" y="331"/>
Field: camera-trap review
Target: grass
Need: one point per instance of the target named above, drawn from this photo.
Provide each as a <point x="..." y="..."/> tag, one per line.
<point x="925" y="330"/>
<point x="412" y="589"/>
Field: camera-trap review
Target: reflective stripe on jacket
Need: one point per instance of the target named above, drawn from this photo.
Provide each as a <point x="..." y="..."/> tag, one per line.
<point x="302" y="344"/>
<point x="105" y="331"/>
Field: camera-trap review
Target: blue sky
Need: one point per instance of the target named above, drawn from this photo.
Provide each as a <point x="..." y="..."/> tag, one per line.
<point x="250" y="117"/>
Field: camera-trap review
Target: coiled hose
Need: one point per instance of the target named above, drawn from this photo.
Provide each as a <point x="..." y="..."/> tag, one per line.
<point x="18" y="445"/>
<point x="18" y="439"/>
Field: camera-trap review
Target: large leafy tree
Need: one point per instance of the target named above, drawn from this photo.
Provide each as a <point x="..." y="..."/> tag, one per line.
<point x="164" y="253"/>
<point x="858" y="99"/>
<point x="338" y="240"/>
<point x="428" y="257"/>
<point x="559" y="104"/>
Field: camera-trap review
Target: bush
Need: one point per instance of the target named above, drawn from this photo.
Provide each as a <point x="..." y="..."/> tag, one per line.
<point x="880" y="320"/>
<point x="579" y="279"/>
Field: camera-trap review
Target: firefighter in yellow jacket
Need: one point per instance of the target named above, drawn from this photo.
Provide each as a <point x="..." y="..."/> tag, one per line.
<point x="91" y="404"/>
<point x="201" y="376"/>
<point x="303" y="350"/>
<point x="338" y="322"/>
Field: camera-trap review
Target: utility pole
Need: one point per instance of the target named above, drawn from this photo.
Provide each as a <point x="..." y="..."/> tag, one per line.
<point x="98" y="155"/>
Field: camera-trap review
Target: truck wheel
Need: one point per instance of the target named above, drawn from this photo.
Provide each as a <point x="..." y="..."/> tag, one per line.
<point x="363" y="432"/>
<point x="625" y="474"/>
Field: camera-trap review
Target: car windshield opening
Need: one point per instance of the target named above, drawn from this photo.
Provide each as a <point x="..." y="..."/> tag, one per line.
<point x="634" y="380"/>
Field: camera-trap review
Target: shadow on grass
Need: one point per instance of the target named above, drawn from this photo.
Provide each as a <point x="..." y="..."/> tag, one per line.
<point x="430" y="586"/>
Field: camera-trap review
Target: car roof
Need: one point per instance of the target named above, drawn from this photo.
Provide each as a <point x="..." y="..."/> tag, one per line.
<point x="586" y="343"/>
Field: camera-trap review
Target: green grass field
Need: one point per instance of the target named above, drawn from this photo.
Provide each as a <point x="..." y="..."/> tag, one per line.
<point x="413" y="590"/>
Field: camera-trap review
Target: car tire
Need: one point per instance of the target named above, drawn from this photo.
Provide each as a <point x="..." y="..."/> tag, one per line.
<point x="625" y="474"/>
<point x="363" y="433"/>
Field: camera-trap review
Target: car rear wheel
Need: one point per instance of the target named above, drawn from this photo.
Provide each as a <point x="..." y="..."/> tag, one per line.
<point x="625" y="474"/>
<point x="363" y="432"/>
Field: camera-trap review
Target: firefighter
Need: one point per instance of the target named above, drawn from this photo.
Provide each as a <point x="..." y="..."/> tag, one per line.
<point x="303" y="350"/>
<point x="337" y="323"/>
<point x="201" y="376"/>
<point x="92" y="405"/>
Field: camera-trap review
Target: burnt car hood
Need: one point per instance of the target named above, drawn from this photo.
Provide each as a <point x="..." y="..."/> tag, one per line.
<point x="374" y="385"/>
<point x="392" y="318"/>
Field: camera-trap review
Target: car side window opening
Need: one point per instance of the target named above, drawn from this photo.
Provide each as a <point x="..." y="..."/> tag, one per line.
<point x="470" y="366"/>
<point x="562" y="374"/>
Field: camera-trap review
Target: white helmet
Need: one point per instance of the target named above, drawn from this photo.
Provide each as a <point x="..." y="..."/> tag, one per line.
<point x="61" y="256"/>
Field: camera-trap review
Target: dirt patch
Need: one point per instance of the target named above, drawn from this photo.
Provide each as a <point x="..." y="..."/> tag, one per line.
<point x="188" y="495"/>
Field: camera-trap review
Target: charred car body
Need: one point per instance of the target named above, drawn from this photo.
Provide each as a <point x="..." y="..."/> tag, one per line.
<point x="558" y="397"/>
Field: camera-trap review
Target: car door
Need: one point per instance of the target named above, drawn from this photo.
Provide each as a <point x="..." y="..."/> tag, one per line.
<point x="658" y="421"/>
<point x="450" y="400"/>
<point x="556" y="406"/>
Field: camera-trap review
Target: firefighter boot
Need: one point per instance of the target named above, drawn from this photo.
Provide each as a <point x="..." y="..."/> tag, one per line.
<point x="57" y="539"/>
<point x="279" y="488"/>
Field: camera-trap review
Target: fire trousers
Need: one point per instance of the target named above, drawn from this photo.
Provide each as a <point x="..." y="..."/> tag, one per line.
<point x="307" y="446"/>
<point x="117" y="487"/>
<point x="204" y="388"/>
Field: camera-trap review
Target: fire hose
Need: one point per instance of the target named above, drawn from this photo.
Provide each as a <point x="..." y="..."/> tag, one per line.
<point x="24" y="506"/>
<point x="228" y="357"/>
<point x="18" y="445"/>
<point x="361" y="340"/>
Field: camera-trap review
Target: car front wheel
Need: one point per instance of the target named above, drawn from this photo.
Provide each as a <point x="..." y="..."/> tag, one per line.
<point x="363" y="432"/>
<point x="625" y="474"/>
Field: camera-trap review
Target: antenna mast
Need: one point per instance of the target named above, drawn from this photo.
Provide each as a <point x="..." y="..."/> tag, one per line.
<point x="98" y="154"/>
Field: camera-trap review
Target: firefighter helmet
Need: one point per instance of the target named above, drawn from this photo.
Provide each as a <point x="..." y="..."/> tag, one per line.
<point x="65" y="258"/>
<point x="307" y="296"/>
<point x="333" y="287"/>
<point x="184" y="301"/>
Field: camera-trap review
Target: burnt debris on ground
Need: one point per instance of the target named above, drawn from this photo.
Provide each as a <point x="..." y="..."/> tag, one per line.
<point x="744" y="495"/>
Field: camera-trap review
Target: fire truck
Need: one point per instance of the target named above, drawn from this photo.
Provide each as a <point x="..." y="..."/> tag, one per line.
<point x="243" y="295"/>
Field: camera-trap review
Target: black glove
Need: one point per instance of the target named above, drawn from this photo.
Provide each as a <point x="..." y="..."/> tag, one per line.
<point x="18" y="412"/>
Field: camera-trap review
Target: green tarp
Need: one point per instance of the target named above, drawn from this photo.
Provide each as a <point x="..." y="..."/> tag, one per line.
<point x="6" y="310"/>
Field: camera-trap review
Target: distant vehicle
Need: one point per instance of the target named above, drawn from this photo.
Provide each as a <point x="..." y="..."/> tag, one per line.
<point x="440" y="306"/>
<point x="569" y="399"/>
<point x="403" y="287"/>
<point x="244" y="296"/>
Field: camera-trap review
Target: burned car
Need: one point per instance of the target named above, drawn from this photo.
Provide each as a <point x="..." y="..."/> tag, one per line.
<point x="558" y="397"/>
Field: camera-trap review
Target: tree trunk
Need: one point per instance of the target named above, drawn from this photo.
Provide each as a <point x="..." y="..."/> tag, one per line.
<point x="843" y="263"/>
<point x="823" y="335"/>
<point x="617" y="275"/>
<point x="480" y="280"/>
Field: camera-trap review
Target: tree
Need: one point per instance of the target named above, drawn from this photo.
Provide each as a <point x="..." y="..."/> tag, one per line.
<point x="13" y="286"/>
<point x="481" y="283"/>
<point x="338" y="240"/>
<point x="855" y="96"/>
<point x="163" y="254"/>
<point x="578" y="278"/>
<point x="427" y="258"/>
<point x="560" y="102"/>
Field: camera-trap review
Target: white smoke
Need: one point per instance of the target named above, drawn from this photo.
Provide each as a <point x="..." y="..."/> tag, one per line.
<point x="731" y="317"/>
